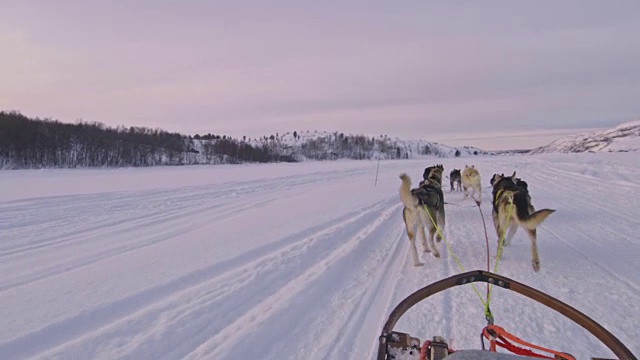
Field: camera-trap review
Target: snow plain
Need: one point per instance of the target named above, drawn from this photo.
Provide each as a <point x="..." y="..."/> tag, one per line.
<point x="300" y="261"/>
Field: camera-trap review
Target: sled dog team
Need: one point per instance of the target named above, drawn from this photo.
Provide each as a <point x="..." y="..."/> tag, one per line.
<point x="424" y="207"/>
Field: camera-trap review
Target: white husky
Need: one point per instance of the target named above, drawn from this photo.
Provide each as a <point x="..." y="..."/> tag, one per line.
<point x="471" y="181"/>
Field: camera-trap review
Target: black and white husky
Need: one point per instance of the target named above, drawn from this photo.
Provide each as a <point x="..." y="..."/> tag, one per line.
<point x="512" y="204"/>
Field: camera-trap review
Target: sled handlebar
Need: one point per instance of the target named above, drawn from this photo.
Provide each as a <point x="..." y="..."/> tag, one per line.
<point x="610" y="341"/>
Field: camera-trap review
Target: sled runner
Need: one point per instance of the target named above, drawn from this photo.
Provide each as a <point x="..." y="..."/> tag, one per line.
<point x="401" y="346"/>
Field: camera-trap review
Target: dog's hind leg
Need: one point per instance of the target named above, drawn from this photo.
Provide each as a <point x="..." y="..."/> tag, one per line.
<point x="414" y="252"/>
<point x="411" y="232"/>
<point x="424" y="217"/>
<point x="510" y="233"/>
<point x="441" y="224"/>
<point x="423" y="237"/>
<point x="498" y="226"/>
<point x="432" y="232"/>
<point x="535" y="260"/>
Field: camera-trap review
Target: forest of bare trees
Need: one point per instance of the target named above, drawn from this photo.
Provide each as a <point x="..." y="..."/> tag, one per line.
<point x="41" y="143"/>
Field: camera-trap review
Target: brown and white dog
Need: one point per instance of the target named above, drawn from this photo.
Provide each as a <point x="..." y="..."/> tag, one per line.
<point x="512" y="206"/>
<point x="423" y="207"/>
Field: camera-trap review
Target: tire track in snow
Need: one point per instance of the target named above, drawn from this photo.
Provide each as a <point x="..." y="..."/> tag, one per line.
<point x="165" y="225"/>
<point x="111" y="228"/>
<point x="375" y="299"/>
<point x="170" y="230"/>
<point x="589" y="235"/>
<point x="198" y="301"/>
<point x="158" y="205"/>
<point x="398" y="276"/>
<point x="65" y="211"/>
<point x="598" y="264"/>
<point x="221" y="344"/>
<point x="593" y="196"/>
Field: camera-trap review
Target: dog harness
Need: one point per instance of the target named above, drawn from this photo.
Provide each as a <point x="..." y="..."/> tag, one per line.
<point x="429" y="195"/>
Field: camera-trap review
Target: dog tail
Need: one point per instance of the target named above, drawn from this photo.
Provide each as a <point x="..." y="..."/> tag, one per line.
<point x="405" y="192"/>
<point x="535" y="219"/>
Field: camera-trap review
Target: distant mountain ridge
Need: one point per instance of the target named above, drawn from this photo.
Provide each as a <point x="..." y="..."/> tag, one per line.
<point x="622" y="138"/>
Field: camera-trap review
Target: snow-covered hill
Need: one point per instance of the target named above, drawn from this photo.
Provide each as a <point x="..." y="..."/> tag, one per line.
<point x="622" y="138"/>
<point x="323" y="145"/>
<point x="382" y="143"/>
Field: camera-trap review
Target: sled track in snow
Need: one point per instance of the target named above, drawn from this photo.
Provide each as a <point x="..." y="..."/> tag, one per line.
<point x="219" y="345"/>
<point x="159" y="216"/>
<point x="170" y="229"/>
<point x="206" y="297"/>
<point x="585" y="235"/>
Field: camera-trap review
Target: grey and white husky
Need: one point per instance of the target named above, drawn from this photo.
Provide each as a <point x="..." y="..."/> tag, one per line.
<point x="423" y="207"/>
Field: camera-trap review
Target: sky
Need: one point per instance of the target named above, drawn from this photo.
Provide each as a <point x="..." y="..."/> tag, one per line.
<point x="488" y="74"/>
<point x="303" y="261"/>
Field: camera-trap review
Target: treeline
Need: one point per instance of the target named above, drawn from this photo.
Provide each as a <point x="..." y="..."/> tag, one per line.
<point x="40" y="143"/>
<point x="35" y="143"/>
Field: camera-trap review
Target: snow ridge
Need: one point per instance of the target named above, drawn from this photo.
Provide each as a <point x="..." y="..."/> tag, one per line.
<point x="622" y="138"/>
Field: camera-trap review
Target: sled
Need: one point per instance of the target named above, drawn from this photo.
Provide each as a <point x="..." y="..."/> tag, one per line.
<point x="394" y="345"/>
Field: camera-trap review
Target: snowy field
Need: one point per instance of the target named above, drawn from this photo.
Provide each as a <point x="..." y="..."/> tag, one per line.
<point x="299" y="261"/>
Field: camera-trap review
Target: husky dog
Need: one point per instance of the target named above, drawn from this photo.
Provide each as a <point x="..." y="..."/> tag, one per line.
<point x="512" y="203"/>
<point x="455" y="179"/>
<point x="436" y="175"/>
<point x="471" y="180"/>
<point x="423" y="206"/>
<point x="522" y="185"/>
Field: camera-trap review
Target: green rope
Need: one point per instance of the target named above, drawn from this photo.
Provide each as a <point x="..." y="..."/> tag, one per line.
<point x="454" y="255"/>
<point x="487" y="310"/>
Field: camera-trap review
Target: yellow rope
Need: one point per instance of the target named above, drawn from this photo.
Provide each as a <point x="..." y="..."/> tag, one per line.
<point x="454" y="255"/>
<point x="487" y="311"/>
<point x="500" y="245"/>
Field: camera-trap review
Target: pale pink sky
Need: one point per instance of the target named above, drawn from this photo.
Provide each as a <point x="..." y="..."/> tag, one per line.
<point x="472" y="70"/>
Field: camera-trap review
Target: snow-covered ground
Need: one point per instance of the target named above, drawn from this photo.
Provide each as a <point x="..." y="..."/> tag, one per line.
<point x="299" y="261"/>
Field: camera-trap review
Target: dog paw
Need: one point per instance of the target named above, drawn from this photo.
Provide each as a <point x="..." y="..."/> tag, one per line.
<point x="436" y="254"/>
<point x="536" y="265"/>
<point x="438" y="238"/>
<point x="418" y="264"/>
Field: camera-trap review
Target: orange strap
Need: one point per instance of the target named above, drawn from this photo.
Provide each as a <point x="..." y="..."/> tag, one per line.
<point x="424" y="350"/>
<point x="502" y="334"/>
